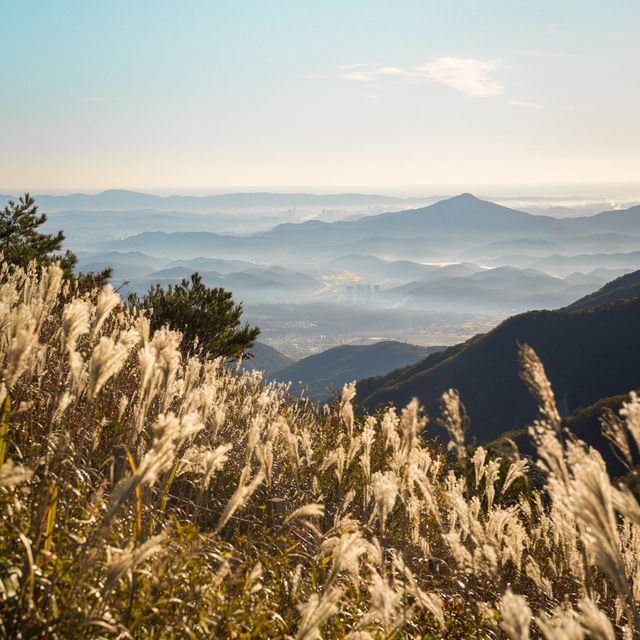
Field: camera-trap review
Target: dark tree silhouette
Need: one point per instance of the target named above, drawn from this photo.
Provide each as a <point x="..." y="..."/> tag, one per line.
<point x="21" y="241"/>
<point x="206" y="317"/>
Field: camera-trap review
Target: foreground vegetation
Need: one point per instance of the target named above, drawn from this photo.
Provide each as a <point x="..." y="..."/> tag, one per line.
<point x="145" y="493"/>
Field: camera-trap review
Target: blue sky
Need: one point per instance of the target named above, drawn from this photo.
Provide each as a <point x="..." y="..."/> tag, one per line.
<point x="383" y="96"/>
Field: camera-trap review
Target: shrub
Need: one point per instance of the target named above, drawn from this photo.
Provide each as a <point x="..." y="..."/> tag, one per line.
<point x="207" y="318"/>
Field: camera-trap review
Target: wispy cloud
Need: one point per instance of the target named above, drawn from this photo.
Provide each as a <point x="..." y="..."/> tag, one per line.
<point x="94" y="99"/>
<point x="469" y="76"/>
<point x="522" y="104"/>
<point x="394" y="71"/>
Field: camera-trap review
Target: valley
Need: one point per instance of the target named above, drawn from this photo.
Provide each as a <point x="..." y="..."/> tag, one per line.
<point x="316" y="272"/>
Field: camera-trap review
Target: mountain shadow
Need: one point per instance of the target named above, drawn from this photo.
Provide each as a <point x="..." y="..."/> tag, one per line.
<point x="588" y="354"/>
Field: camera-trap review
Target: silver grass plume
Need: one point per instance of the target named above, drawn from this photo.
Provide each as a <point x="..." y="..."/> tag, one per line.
<point x="384" y="489"/>
<point x="516" y="470"/>
<point x="108" y="358"/>
<point x="347" y="549"/>
<point x="205" y="461"/>
<point x="107" y="302"/>
<point x="430" y="602"/>
<point x="592" y="499"/>
<point x="386" y="602"/>
<point x="492" y="473"/>
<point x="239" y="499"/>
<point x="595" y="622"/>
<point x="316" y="611"/>
<point x="631" y="413"/>
<point x="346" y="406"/>
<point x="411" y="426"/>
<point x="533" y="373"/>
<point x="562" y="625"/>
<point x="479" y="456"/>
<point x="367" y="439"/>
<point x="311" y="510"/>
<point x="18" y="342"/>
<point x="454" y="419"/>
<point x="12" y="474"/>
<point x="389" y="426"/>
<point x="130" y="558"/>
<point x="75" y="323"/>
<point x="516" y="616"/>
<point x="169" y="432"/>
<point x="253" y="584"/>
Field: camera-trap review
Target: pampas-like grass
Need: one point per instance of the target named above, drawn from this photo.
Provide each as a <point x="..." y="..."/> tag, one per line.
<point x="595" y="622"/>
<point x="316" y="611"/>
<point x="128" y="559"/>
<point x="145" y="494"/>
<point x="516" y="616"/>
<point x="452" y="419"/>
<point x="12" y="474"/>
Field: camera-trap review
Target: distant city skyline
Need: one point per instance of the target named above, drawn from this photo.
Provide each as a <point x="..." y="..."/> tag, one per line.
<point x="413" y="97"/>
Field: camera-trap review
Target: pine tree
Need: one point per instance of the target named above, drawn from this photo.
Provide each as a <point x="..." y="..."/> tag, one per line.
<point x="206" y="317"/>
<point x="21" y="241"/>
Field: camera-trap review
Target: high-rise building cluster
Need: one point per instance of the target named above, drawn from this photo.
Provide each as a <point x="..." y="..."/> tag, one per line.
<point x="362" y="293"/>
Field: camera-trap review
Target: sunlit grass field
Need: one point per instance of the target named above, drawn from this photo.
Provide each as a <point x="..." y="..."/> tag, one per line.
<point x="146" y="492"/>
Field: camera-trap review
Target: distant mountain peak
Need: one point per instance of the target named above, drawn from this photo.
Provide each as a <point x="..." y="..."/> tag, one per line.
<point x="465" y="197"/>
<point x="118" y="191"/>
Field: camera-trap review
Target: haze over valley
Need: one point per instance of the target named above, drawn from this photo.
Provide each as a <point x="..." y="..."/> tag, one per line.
<point x="317" y="271"/>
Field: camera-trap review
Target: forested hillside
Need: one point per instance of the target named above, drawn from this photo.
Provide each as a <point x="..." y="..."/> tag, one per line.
<point x="589" y="354"/>
<point x="322" y="375"/>
<point x="625" y="287"/>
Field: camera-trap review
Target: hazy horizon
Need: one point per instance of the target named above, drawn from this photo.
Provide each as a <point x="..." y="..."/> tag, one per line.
<point x="629" y="190"/>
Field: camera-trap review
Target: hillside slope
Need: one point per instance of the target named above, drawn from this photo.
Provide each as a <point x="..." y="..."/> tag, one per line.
<point x="623" y="288"/>
<point x="588" y="354"/>
<point x="626" y="221"/>
<point x="266" y="358"/>
<point x="585" y="423"/>
<point x="322" y="374"/>
<point x="463" y="214"/>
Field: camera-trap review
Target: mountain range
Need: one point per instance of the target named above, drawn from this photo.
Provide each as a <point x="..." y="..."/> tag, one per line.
<point x="266" y="359"/>
<point x="589" y="352"/>
<point x="322" y="375"/>
<point x="125" y="200"/>
<point x="500" y="289"/>
<point x="625" y="287"/>
<point x="446" y="228"/>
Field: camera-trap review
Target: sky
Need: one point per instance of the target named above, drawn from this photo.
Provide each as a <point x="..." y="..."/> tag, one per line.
<point x="383" y="96"/>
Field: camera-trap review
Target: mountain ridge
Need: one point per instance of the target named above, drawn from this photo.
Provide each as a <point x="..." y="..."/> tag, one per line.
<point x="585" y="361"/>
<point x="324" y="373"/>
<point x="625" y="287"/>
